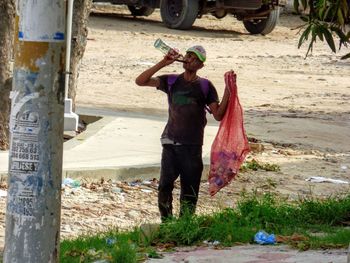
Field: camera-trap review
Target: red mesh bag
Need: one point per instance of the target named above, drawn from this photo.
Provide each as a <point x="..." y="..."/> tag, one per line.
<point x="230" y="146"/>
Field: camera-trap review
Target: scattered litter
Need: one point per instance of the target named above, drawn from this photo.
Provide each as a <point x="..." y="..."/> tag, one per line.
<point x="147" y="182"/>
<point x="3" y="193"/>
<point x="110" y="241"/>
<point x="153" y="183"/>
<point x="117" y="190"/>
<point x="135" y="183"/>
<point x="344" y="167"/>
<point x="211" y="243"/>
<point x="264" y="238"/>
<point x="70" y="182"/>
<point x="122" y="198"/>
<point x="146" y="191"/>
<point x="318" y="179"/>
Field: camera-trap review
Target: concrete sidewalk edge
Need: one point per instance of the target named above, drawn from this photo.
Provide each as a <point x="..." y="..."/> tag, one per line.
<point x="127" y="174"/>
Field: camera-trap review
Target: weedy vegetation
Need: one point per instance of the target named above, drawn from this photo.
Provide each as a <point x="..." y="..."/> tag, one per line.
<point x="255" y="166"/>
<point x="308" y="223"/>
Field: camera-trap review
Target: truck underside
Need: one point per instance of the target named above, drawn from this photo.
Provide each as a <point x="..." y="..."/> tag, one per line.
<point x="258" y="16"/>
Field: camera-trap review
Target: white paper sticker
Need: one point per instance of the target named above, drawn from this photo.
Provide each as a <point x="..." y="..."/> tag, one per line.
<point x="41" y="20"/>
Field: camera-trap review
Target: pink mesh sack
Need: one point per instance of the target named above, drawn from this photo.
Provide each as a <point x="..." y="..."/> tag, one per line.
<point x="230" y="146"/>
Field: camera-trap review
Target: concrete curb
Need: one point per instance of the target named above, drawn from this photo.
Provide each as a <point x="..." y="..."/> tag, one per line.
<point x="127" y="174"/>
<point x="115" y="173"/>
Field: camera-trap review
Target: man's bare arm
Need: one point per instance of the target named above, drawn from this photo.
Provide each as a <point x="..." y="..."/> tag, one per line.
<point x="146" y="78"/>
<point x="219" y="110"/>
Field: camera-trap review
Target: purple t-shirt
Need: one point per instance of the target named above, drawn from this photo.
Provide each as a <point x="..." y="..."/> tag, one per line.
<point x="186" y="120"/>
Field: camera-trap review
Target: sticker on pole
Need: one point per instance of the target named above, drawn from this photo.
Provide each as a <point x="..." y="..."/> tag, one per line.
<point x="42" y="20"/>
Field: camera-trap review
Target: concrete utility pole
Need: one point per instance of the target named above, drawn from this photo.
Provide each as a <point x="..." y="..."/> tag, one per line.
<point x="36" y="126"/>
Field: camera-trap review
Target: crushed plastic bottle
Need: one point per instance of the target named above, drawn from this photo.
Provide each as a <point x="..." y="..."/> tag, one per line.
<point x="70" y="182"/>
<point x="264" y="238"/>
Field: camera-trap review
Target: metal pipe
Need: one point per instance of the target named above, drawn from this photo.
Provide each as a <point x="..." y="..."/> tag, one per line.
<point x="69" y="43"/>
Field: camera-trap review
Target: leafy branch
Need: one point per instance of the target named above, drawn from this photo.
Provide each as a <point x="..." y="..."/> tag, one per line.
<point x="325" y="20"/>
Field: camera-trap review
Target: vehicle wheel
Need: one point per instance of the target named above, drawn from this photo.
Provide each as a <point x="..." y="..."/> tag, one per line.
<point x="179" y="14"/>
<point x="140" y="10"/>
<point x="263" y="26"/>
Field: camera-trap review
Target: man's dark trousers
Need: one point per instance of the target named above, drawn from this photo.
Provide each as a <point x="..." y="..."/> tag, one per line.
<point x="184" y="161"/>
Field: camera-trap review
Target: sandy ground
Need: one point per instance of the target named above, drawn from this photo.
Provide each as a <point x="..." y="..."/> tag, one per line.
<point x="297" y="108"/>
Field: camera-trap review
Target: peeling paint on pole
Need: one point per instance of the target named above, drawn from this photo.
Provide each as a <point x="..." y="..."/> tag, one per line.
<point x="36" y="127"/>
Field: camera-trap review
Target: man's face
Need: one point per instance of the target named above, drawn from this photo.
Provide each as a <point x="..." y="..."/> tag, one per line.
<point x="192" y="62"/>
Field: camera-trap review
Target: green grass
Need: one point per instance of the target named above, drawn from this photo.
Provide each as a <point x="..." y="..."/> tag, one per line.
<point x="113" y="246"/>
<point x="320" y="223"/>
<point x="255" y="166"/>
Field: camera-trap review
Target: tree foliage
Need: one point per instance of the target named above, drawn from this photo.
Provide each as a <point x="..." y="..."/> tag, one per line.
<point x="326" y="20"/>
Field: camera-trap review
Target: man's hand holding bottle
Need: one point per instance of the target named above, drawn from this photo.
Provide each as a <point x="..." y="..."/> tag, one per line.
<point x="171" y="56"/>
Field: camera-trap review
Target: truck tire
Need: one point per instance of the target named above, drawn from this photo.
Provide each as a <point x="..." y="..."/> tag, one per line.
<point x="140" y="10"/>
<point x="179" y="14"/>
<point x="263" y="26"/>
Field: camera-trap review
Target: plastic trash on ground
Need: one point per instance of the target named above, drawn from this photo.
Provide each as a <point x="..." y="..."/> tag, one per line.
<point x="70" y="182"/>
<point x="211" y="243"/>
<point x="110" y="241"/>
<point x="319" y="179"/>
<point x="264" y="238"/>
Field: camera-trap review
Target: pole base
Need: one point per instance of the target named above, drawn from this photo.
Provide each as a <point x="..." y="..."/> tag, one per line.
<point x="71" y="119"/>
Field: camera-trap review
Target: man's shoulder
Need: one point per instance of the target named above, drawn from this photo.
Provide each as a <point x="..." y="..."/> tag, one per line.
<point x="206" y="84"/>
<point x="204" y="79"/>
